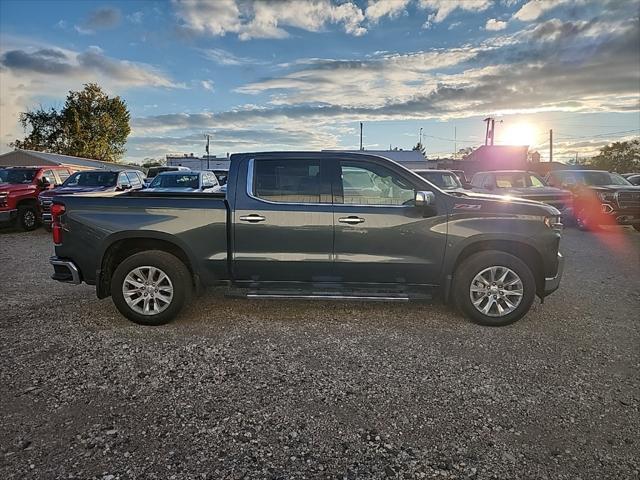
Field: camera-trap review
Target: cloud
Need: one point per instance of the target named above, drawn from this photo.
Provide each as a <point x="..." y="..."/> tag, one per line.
<point x="207" y="85"/>
<point x="224" y="57"/>
<point x="533" y="9"/>
<point x="549" y="67"/>
<point x="494" y="25"/>
<point x="46" y="61"/>
<point x="135" y="17"/>
<point x="442" y="8"/>
<point x="100" y="19"/>
<point x="263" y="19"/>
<point x="376" y="9"/>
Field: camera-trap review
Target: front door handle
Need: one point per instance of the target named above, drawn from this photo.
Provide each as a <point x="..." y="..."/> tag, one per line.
<point x="351" y="220"/>
<point x="253" y="218"/>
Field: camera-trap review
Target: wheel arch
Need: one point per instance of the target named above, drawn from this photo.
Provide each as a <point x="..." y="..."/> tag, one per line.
<point x="119" y="247"/>
<point x="520" y="249"/>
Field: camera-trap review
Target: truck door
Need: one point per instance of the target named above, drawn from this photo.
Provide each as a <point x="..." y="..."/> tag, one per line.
<point x="283" y="221"/>
<point x="380" y="235"/>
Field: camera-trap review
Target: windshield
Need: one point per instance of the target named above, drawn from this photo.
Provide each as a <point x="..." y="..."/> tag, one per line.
<point x="17" y="175"/>
<point x="91" y="179"/>
<point x="444" y="180"/>
<point x="175" y="181"/>
<point x="602" y="178"/>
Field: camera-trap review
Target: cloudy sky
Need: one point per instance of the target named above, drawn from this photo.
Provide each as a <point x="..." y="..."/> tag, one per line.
<point x="302" y="74"/>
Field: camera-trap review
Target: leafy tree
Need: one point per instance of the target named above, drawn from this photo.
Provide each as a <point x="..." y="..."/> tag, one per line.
<point x="46" y="131"/>
<point x="90" y="125"/>
<point x="621" y="157"/>
<point x="420" y="148"/>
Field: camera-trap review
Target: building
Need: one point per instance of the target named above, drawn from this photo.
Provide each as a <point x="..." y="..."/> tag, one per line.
<point x="411" y="159"/>
<point x="27" y="158"/>
<point x="206" y="162"/>
<point x="498" y="157"/>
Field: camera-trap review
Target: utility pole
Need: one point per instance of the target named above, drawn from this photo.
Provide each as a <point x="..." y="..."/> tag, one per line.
<point x="551" y="145"/>
<point x="455" y="142"/>
<point x="207" y="148"/>
<point x="361" y="136"/>
<point x="489" y="135"/>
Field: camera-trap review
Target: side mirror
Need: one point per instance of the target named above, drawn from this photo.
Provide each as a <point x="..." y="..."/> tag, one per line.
<point x="44" y="183"/>
<point x="425" y="199"/>
<point x="467" y="185"/>
<point x="207" y="185"/>
<point x="124" y="186"/>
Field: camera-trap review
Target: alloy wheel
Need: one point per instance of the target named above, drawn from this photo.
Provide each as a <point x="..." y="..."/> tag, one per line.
<point x="147" y="290"/>
<point x="496" y="291"/>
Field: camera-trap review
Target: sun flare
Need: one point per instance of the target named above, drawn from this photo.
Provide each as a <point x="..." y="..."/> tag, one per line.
<point x="520" y="134"/>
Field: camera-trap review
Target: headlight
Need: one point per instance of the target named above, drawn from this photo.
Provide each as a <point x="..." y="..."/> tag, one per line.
<point x="607" y="196"/>
<point x="554" y="222"/>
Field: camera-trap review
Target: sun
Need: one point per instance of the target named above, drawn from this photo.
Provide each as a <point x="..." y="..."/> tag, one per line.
<point x="519" y="134"/>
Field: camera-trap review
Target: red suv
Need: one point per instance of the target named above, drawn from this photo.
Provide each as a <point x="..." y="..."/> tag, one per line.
<point x="19" y="190"/>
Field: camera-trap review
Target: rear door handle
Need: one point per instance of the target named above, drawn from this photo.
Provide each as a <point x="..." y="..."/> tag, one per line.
<point x="253" y="218"/>
<point x="351" y="220"/>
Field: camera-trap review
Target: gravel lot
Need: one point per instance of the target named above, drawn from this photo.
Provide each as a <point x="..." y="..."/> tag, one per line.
<point x="264" y="389"/>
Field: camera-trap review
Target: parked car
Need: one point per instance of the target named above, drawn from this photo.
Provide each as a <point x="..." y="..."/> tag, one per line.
<point x="19" y="190"/>
<point x="152" y="172"/>
<point x="221" y="175"/>
<point x="296" y="224"/>
<point x="90" y="181"/>
<point x="185" y="181"/>
<point x="600" y="197"/>
<point x="444" y="179"/>
<point x="521" y="184"/>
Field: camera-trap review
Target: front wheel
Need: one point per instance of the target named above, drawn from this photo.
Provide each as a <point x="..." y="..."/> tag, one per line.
<point x="28" y="218"/>
<point x="150" y="288"/>
<point x="494" y="288"/>
<point x="586" y="222"/>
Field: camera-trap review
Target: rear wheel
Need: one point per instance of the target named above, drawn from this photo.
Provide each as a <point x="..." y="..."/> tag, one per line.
<point x="28" y="218"/>
<point x="150" y="288"/>
<point x="494" y="288"/>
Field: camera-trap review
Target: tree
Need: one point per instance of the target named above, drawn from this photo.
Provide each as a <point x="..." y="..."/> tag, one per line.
<point x="46" y="131"/>
<point x="90" y="125"/>
<point x="621" y="157"/>
<point x="420" y="148"/>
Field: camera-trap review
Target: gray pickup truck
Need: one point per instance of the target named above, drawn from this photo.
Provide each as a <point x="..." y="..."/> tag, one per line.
<point x="324" y="225"/>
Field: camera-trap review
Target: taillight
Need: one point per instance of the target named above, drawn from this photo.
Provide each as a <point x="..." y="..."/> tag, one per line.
<point x="56" y="228"/>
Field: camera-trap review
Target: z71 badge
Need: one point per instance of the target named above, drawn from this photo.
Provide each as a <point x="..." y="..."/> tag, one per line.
<point x="467" y="206"/>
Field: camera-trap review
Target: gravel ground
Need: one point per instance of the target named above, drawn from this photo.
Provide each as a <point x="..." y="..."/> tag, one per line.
<point x="293" y="389"/>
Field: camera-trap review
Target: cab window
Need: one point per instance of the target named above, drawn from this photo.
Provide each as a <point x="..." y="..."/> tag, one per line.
<point x="289" y="181"/>
<point x="371" y="184"/>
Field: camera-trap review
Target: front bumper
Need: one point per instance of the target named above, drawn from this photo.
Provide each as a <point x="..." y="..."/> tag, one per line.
<point x="7" y="216"/>
<point x="65" y="271"/>
<point x="551" y="284"/>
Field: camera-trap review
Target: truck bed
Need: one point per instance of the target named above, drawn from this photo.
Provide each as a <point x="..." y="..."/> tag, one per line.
<point x="196" y="222"/>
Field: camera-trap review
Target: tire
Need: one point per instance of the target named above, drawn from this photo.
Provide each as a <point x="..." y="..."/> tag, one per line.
<point x="137" y="265"/>
<point x="636" y="226"/>
<point x="485" y="261"/>
<point x="28" y="218"/>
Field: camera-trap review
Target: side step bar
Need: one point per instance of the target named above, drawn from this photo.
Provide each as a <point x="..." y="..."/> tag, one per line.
<point x="370" y="298"/>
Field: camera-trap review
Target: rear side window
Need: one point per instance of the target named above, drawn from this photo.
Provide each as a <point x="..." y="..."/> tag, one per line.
<point x="134" y="180"/>
<point x="289" y="181"/>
